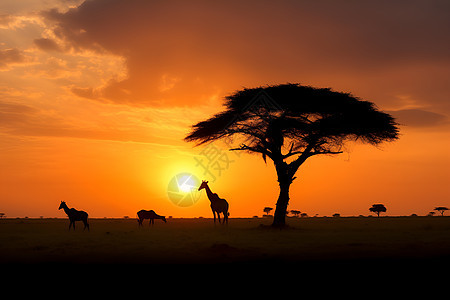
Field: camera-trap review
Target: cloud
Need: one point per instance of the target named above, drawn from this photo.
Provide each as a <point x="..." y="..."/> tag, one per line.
<point x="11" y="56"/>
<point x="13" y="113"/>
<point x="94" y="121"/>
<point x="5" y="20"/>
<point x="46" y="44"/>
<point x="88" y="92"/>
<point x="16" y="22"/>
<point x="220" y="46"/>
<point x="23" y="120"/>
<point x="418" y="117"/>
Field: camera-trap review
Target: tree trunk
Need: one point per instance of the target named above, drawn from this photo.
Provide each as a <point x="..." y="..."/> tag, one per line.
<point x="279" y="218"/>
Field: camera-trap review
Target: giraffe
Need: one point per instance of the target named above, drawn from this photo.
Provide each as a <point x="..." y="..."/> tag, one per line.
<point x="218" y="205"/>
<point x="75" y="215"/>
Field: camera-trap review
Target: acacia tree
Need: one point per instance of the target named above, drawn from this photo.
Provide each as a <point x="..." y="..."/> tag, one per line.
<point x="289" y="123"/>
<point x="378" y="208"/>
<point x="441" y="209"/>
<point x="267" y="210"/>
<point x="295" y="212"/>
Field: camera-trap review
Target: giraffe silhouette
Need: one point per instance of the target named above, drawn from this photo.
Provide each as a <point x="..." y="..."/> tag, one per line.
<point x="218" y="205"/>
<point x="75" y="215"/>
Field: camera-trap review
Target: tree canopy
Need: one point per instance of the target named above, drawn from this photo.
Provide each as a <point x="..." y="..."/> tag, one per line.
<point x="307" y="115"/>
<point x="378" y="208"/>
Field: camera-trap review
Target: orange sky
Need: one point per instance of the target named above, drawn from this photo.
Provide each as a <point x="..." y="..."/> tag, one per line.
<point x="96" y="97"/>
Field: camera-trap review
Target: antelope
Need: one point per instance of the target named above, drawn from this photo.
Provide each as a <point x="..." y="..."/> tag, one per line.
<point x="149" y="214"/>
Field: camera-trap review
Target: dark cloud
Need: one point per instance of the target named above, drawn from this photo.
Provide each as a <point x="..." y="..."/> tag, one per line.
<point x="378" y="48"/>
<point x="6" y="19"/>
<point x="418" y="117"/>
<point x="47" y="44"/>
<point x="11" y="56"/>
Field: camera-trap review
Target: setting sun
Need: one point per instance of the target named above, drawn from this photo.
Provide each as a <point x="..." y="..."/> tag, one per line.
<point x="186" y="183"/>
<point x="183" y="189"/>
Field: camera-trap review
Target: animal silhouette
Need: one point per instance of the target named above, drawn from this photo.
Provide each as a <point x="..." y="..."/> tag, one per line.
<point x="75" y="215"/>
<point x="149" y="214"/>
<point x="218" y="205"/>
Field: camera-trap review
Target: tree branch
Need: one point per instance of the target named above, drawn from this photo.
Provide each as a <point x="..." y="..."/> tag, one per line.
<point x="245" y="131"/>
<point x="253" y="149"/>
<point x="325" y="152"/>
<point x="292" y="153"/>
<point x="293" y="166"/>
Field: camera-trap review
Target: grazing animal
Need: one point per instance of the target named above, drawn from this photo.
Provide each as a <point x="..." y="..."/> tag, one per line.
<point x="149" y="214"/>
<point x="75" y="215"/>
<point x="218" y="205"/>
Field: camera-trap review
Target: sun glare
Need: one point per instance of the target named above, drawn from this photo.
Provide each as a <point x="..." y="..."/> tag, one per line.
<point x="186" y="183"/>
<point x="182" y="189"/>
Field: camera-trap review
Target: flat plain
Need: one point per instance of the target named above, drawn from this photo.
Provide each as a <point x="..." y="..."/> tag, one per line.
<point x="187" y="241"/>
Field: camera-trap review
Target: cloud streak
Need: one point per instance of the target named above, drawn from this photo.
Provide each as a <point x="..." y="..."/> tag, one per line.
<point x="23" y="120"/>
<point x="419" y="117"/>
<point x="98" y="122"/>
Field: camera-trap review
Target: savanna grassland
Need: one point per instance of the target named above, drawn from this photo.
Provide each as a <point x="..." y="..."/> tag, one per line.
<point x="307" y="240"/>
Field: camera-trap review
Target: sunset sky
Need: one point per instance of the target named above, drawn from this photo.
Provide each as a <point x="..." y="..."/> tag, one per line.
<point x="97" y="96"/>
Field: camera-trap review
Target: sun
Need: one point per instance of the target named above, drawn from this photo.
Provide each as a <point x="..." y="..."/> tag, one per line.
<point x="186" y="183"/>
<point x="183" y="189"/>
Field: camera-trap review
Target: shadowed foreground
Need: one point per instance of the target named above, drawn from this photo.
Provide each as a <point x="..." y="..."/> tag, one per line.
<point x="311" y="240"/>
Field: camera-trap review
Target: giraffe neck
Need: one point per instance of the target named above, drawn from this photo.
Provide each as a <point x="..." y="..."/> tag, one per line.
<point x="66" y="210"/>
<point x="209" y="193"/>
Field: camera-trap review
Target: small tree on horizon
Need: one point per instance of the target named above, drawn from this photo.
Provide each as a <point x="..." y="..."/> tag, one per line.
<point x="289" y="123"/>
<point x="295" y="212"/>
<point x="441" y="209"/>
<point x="378" y="208"/>
<point x="267" y="210"/>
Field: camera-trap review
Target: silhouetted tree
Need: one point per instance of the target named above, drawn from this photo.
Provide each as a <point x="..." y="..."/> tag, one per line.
<point x="290" y="123"/>
<point x="295" y="212"/>
<point x="378" y="208"/>
<point x="441" y="209"/>
<point x="267" y="210"/>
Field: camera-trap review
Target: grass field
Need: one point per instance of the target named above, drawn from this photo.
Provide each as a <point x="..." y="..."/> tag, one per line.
<point x="307" y="240"/>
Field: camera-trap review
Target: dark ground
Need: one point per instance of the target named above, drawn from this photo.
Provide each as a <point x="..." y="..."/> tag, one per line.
<point x="308" y="241"/>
